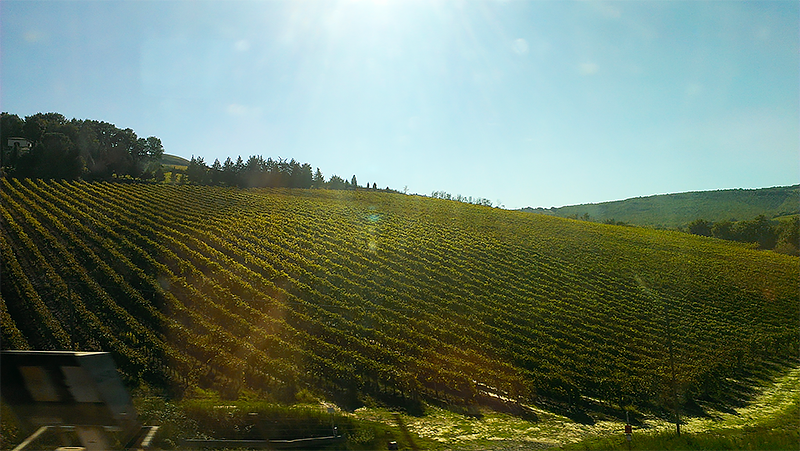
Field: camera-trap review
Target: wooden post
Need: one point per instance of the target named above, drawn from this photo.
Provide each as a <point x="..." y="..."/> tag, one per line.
<point x="628" y="430"/>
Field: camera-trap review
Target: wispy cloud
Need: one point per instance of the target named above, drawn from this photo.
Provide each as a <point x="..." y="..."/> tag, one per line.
<point x="238" y="110"/>
<point x="242" y="45"/>
<point x="588" y="68"/>
<point x="694" y="89"/>
<point x="520" y="46"/>
<point x="34" y="36"/>
<point x="609" y="11"/>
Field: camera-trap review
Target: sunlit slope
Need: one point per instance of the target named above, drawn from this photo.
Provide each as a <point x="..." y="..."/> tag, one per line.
<point x="679" y="209"/>
<point x="399" y="298"/>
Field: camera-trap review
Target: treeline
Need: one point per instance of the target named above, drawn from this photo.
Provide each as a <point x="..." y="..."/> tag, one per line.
<point x="265" y="173"/>
<point x="48" y="146"/>
<point x="458" y="197"/>
<point x="781" y="236"/>
<point x="586" y="217"/>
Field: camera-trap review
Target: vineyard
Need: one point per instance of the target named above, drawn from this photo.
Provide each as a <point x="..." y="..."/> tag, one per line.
<point x="401" y="299"/>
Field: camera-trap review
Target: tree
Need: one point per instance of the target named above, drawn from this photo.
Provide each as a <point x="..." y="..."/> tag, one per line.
<point x="239" y="168"/>
<point x="159" y="176"/>
<point x="53" y="157"/>
<point x="700" y="227"/>
<point x="229" y="173"/>
<point x="318" y="181"/>
<point x="354" y="182"/>
<point x="305" y="179"/>
<point x="336" y="182"/>
<point x="197" y="171"/>
<point x="252" y="174"/>
<point x="123" y="156"/>
<point x="153" y="149"/>
<point x="723" y="230"/>
<point x="300" y="175"/>
<point x="10" y="127"/>
<point x="216" y="172"/>
<point x="37" y="125"/>
<point x="789" y="236"/>
<point x="759" y="230"/>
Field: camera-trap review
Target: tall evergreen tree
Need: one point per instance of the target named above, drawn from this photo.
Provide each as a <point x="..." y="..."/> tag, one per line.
<point x="318" y="181"/>
<point x="197" y="171"/>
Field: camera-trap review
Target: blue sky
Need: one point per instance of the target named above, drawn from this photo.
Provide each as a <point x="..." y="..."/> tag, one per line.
<point x="525" y="103"/>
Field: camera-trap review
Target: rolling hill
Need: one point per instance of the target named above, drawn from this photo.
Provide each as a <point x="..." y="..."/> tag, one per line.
<point x="174" y="160"/>
<point x="361" y="296"/>
<point x="679" y="209"/>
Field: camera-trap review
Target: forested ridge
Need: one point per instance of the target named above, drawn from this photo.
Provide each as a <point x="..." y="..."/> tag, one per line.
<point x="363" y="296"/>
<point x="257" y="172"/>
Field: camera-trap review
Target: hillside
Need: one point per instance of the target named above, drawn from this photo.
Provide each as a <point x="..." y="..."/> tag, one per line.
<point x="679" y="209"/>
<point x="360" y="296"/>
<point x="174" y="160"/>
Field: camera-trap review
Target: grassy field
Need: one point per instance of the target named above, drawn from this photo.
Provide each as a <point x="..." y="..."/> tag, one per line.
<point x="386" y="301"/>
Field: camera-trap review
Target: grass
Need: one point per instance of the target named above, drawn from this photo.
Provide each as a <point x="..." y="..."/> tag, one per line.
<point x="206" y="416"/>
<point x="770" y="422"/>
<point x="174" y="160"/>
<point x="750" y="439"/>
<point x="489" y="430"/>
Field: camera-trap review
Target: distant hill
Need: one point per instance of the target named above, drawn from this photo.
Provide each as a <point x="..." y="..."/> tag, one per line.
<point x="673" y="210"/>
<point x="174" y="160"/>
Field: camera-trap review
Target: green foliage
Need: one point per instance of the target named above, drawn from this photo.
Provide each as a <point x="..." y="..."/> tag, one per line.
<point x="75" y="149"/>
<point x="782" y="236"/>
<point x="257" y="172"/>
<point x="680" y="209"/>
<point x="260" y="173"/>
<point x="700" y="227"/>
<point x="458" y="197"/>
<point x="789" y="236"/>
<point x="257" y="420"/>
<point x="210" y="417"/>
<point x="360" y="296"/>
